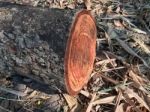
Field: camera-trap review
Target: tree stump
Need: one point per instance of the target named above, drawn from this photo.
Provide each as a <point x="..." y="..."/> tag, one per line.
<point x="52" y="46"/>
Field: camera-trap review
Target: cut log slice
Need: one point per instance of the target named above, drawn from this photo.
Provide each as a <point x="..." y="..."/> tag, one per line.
<point x="80" y="52"/>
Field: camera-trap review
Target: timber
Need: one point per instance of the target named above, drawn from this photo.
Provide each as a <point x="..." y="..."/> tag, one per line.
<point x="53" y="28"/>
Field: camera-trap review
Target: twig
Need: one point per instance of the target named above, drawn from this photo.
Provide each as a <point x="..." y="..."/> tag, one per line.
<point x="3" y="98"/>
<point x="109" y="79"/>
<point x="5" y="109"/>
<point x="105" y="61"/>
<point x="85" y="93"/>
<point x="117" y="68"/>
<point x="106" y="100"/>
<point x="111" y="88"/>
<point x="91" y="103"/>
<point x="18" y="93"/>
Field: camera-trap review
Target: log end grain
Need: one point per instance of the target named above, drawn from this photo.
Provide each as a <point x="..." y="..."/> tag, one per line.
<point x="80" y="52"/>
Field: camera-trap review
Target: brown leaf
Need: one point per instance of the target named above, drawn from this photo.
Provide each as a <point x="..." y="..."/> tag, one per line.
<point x="118" y="105"/>
<point x="91" y="103"/>
<point x="119" y="108"/>
<point x="71" y="101"/>
<point x="106" y="100"/>
<point x="136" y="78"/>
<point x="87" y="4"/>
<point x="32" y="94"/>
<point x="132" y="94"/>
<point x="118" y="23"/>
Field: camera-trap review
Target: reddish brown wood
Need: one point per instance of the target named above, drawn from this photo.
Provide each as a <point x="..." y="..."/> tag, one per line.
<point x="80" y="52"/>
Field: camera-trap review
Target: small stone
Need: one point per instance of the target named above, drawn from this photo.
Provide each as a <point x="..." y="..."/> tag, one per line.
<point x="5" y="57"/>
<point x="40" y="48"/>
<point x="45" y="46"/>
<point x="41" y="62"/>
<point x="29" y="43"/>
<point x="55" y="70"/>
<point x="36" y="72"/>
<point x="3" y="38"/>
<point x="28" y="59"/>
<point x="36" y="39"/>
<point x="2" y="65"/>
<point x="18" y="61"/>
<point x="2" y="34"/>
<point x="20" y="42"/>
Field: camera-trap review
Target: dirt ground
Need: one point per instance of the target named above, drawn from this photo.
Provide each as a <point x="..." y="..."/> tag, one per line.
<point x="120" y="81"/>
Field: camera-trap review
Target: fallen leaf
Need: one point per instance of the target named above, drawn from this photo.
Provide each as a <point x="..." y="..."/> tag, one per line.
<point x="136" y="78"/>
<point x="118" y="105"/>
<point x="91" y="103"/>
<point x="118" y="23"/>
<point x="139" y="31"/>
<point x="71" y="101"/>
<point x="87" y="4"/>
<point x="32" y="94"/>
<point x="107" y="100"/>
<point x="119" y="108"/>
<point x="132" y="94"/>
<point x="85" y="93"/>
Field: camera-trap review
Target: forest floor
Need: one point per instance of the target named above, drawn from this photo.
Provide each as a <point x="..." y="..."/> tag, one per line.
<point x="120" y="81"/>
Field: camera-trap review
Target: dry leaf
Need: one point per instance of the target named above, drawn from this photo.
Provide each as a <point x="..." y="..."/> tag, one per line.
<point x="109" y="70"/>
<point x="139" y="82"/>
<point x="114" y="64"/>
<point x="132" y="94"/>
<point x="71" y="101"/>
<point x="106" y="61"/>
<point x="136" y="78"/>
<point x="85" y="93"/>
<point x="118" y="99"/>
<point x="91" y="103"/>
<point x="118" y="9"/>
<point x="87" y="4"/>
<point x="139" y="31"/>
<point x="117" y="23"/>
<point x="107" y="100"/>
<point x="119" y="108"/>
<point x="32" y="94"/>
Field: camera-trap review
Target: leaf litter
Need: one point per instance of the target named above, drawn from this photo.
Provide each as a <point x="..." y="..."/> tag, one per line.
<point x="127" y="41"/>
